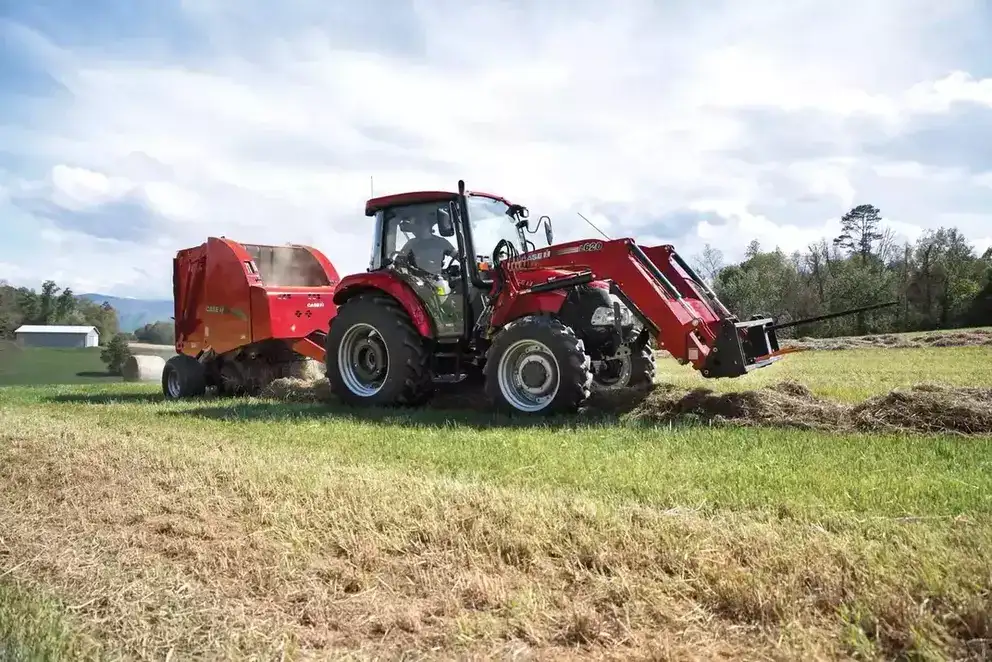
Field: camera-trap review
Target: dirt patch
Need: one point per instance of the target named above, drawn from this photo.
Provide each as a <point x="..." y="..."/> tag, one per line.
<point x="921" y="408"/>
<point x="968" y="338"/>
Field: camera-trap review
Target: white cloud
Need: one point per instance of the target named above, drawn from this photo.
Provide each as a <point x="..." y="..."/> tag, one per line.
<point x="272" y="136"/>
<point x="79" y="188"/>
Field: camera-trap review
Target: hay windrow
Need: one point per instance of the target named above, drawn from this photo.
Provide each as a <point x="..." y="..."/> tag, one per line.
<point x="965" y="338"/>
<point x="927" y="407"/>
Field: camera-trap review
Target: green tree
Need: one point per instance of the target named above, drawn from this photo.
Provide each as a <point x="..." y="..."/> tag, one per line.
<point x="103" y="317"/>
<point x="10" y="311"/>
<point x="156" y="333"/>
<point x="116" y="353"/>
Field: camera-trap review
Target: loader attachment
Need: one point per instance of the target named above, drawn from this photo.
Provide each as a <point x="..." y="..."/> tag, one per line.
<point x="671" y="301"/>
<point x="740" y="347"/>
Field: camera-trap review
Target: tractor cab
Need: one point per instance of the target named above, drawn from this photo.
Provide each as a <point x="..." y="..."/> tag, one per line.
<point x="444" y="245"/>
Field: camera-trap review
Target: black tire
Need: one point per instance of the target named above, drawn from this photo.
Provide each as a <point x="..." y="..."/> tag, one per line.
<point x="407" y="379"/>
<point x="642" y="372"/>
<point x="642" y="368"/>
<point x="570" y="359"/>
<point x="183" y="377"/>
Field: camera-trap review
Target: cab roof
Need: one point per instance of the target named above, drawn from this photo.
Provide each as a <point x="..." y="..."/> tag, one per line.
<point x="374" y="205"/>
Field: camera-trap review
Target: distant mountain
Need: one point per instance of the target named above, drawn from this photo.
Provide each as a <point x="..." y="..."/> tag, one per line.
<point x="135" y="313"/>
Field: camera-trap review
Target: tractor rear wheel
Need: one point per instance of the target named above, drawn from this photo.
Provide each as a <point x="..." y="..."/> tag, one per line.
<point x="183" y="377"/>
<point x="537" y="365"/>
<point x="375" y="356"/>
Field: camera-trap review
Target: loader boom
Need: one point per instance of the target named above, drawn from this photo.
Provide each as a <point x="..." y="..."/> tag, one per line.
<point x="673" y="304"/>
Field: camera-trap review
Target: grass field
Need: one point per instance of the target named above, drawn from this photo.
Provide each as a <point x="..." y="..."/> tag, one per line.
<point x="44" y="365"/>
<point x="22" y="366"/>
<point x="261" y="529"/>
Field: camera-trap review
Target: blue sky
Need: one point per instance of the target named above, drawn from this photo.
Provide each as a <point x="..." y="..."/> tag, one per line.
<point x="131" y="129"/>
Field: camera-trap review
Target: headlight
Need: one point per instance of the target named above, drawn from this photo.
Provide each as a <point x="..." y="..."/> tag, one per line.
<point x="603" y="316"/>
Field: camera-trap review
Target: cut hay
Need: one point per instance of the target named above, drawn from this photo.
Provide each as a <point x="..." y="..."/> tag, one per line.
<point x="927" y="408"/>
<point x="787" y="404"/>
<point x="307" y="370"/>
<point x="143" y="368"/>
<point x="296" y="389"/>
<point x="965" y="338"/>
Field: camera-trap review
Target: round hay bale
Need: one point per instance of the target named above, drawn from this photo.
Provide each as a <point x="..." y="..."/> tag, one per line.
<point x="143" y="368"/>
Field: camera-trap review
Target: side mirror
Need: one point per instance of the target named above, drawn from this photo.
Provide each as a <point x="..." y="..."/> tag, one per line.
<point x="445" y="225"/>
<point x="549" y="233"/>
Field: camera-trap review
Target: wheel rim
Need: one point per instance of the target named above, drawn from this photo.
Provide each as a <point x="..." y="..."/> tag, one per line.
<point x="529" y="376"/>
<point x="605" y="382"/>
<point x="172" y="383"/>
<point x="363" y="360"/>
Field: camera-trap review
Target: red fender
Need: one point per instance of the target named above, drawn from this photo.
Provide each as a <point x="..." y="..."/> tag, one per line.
<point x="355" y="284"/>
<point x="517" y="304"/>
<point x="528" y="304"/>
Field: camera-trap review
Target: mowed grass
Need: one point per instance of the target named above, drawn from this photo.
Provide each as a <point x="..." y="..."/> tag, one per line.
<point x="231" y="529"/>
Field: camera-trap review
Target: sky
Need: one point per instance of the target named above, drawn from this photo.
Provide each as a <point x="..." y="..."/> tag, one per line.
<point x="130" y="130"/>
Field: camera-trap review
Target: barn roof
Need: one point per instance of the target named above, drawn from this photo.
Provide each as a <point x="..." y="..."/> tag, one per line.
<point x="53" y="328"/>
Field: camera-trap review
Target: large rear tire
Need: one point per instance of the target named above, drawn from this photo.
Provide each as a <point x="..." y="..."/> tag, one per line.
<point x="183" y="377"/>
<point x="537" y="365"/>
<point x="375" y="356"/>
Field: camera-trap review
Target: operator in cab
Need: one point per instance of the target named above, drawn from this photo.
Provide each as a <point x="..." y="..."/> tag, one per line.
<point x="426" y="250"/>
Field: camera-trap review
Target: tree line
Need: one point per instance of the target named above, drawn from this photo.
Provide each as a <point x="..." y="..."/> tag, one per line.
<point x="53" y="304"/>
<point x="937" y="282"/>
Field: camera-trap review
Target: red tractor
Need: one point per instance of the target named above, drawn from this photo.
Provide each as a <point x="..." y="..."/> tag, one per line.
<point x="455" y="292"/>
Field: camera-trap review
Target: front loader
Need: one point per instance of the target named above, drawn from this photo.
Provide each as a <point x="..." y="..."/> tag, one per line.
<point x="457" y="292"/>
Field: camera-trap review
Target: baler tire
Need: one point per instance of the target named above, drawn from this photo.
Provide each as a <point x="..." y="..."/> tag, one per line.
<point x="408" y="380"/>
<point x="183" y="377"/>
<point x="572" y="362"/>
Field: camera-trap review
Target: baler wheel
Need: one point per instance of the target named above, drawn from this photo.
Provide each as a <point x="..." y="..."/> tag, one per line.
<point x="183" y="377"/>
<point x="537" y="365"/>
<point x="375" y="356"/>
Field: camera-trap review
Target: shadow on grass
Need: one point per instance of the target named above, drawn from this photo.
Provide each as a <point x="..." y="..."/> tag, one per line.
<point x="95" y="373"/>
<point x="446" y="409"/>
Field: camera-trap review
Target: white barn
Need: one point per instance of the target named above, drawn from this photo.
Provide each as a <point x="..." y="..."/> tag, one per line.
<point x="51" y="335"/>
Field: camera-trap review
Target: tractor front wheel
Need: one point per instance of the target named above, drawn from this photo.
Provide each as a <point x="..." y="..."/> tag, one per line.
<point x="537" y="365"/>
<point x="375" y="356"/>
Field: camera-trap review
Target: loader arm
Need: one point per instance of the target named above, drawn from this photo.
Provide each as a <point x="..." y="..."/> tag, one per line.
<point x="675" y="306"/>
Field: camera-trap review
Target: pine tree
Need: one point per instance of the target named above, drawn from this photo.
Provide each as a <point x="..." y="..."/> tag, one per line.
<point x="860" y="229"/>
<point x="116" y="353"/>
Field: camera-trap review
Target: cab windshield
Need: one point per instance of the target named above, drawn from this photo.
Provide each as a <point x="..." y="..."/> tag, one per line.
<point x="490" y="223"/>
